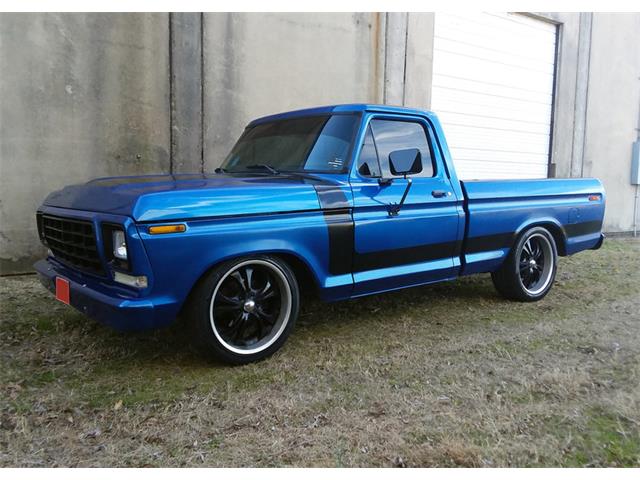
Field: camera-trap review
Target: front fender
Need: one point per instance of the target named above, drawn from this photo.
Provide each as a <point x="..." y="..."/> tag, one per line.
<point x="178" y="260"/>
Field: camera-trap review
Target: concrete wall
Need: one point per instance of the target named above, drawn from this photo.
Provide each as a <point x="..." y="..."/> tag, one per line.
<point x="81" y="96"/>
<point x="408" y="59"/>
<point x="87" y="95"/>
<point x="597" y="104"/>
<point x="566" y="131"/>
<point x="613" y="112"/>
<point x="185" y="34"/>
<point x="256" y="64"/>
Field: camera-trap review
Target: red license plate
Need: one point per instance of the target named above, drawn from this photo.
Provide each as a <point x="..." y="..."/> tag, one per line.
<point x="62" y="290"/>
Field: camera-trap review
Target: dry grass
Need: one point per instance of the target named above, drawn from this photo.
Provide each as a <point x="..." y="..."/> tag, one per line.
<point x="446" y="375"/>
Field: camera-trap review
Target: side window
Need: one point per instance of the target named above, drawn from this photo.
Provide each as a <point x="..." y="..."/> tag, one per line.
<point x="391" y="135"/>
<point x="368" y="165"/>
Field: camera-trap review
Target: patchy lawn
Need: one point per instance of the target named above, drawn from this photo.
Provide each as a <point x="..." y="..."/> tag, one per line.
<point x="444" y="375"/>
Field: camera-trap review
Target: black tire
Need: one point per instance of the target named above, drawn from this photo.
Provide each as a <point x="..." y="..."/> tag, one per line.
<point x="249" y="318"/>
<point x="528" y="272"/>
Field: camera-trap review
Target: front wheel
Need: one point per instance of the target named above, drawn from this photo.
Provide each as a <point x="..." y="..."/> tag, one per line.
<point x="530" y="269"/>
<point x="245" y="309"/>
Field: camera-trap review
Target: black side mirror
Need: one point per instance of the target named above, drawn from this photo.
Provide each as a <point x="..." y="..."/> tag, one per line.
<point x="405" y="162"/>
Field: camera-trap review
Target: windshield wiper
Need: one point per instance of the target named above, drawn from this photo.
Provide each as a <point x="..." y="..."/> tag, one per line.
<point x="263" y="166"/>
<point x="220" y="170"/>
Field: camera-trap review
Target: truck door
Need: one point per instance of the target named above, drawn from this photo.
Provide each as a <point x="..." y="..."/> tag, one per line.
<point x="421" y="242"/>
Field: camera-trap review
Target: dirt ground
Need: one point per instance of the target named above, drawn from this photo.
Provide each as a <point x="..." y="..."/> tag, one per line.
<point x="444" y="375"/>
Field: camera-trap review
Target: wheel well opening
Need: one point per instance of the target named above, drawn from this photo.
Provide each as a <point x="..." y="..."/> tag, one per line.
<point x="557" y="234"/>
<point x="306" y="280"/>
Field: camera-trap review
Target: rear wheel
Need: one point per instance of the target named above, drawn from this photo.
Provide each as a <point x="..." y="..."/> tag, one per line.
<point x="244" y="310"/>
<point x="530" y="269"/>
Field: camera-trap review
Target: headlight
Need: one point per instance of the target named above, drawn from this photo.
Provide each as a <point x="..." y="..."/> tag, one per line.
<point x="119" y="244"/>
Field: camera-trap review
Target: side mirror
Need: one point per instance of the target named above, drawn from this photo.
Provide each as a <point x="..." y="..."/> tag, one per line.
<point x="405" y="162"/>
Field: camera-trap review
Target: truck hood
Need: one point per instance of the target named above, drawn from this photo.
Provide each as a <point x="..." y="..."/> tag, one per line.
<point x="172" y="197"/>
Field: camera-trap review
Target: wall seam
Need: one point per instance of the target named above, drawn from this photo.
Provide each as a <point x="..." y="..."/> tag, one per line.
<point x="586" y="96"/>
<point x="575" y="99"/>
<point x="406" y="46"/>
<point x="386" y="54"/>
<point x="202" y="112"/>
<point x="171" y="96"/>
<point x="551" y="165"/>
<point x="433" y="48"/>
<point x="580" y="101"/>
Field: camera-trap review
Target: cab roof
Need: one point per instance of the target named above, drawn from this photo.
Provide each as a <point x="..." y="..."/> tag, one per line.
<point x="343" y="108"/>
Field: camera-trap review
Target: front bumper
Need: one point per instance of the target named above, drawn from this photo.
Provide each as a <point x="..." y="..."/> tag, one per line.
<point x="107" y="303"/>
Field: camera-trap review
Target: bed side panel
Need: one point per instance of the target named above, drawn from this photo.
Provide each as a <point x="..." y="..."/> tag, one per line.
<point x="499" y="210"/>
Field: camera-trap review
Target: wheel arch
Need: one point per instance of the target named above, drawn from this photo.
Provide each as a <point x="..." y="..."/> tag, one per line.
<point x="553" y="227"/>
<point x="304" y="273"/>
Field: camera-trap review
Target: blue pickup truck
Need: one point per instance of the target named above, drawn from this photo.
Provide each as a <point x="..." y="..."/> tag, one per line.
<point x="347" y="200"/>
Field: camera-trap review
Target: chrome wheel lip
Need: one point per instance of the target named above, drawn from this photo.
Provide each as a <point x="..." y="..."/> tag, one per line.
<point x="283" y="318"/>
<point x="549" y="264"/>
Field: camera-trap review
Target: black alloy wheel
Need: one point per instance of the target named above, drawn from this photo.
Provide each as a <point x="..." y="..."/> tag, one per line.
<point x="245" y="309"/>
<point x="536" y="262"/>
<point x="528" y="272"/>
<point x="247" y="304"/>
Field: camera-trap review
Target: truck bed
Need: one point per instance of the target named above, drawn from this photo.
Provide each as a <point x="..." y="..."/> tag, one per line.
<point x="498" y="210"/>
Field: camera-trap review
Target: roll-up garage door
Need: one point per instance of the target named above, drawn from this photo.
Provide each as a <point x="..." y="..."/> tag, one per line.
<point x="493" y="80"/>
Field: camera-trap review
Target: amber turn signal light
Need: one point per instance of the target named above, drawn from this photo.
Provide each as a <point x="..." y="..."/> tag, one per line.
<point x="594" y="198"/>
<point x="167" y="229"/>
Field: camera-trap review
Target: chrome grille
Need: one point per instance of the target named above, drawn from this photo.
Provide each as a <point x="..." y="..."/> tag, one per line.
<point x="72" y="241"/>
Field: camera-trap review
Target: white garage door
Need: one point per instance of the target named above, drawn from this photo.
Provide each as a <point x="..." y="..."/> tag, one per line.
<point x="493" y="91"/>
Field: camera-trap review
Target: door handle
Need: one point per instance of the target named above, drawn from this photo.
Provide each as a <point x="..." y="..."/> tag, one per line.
<point x="440" y="193"/>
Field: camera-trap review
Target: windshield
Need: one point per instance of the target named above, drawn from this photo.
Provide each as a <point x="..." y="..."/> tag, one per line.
<point x="319" y="143"/>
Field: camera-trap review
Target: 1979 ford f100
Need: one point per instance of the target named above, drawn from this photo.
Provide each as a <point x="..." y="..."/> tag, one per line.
<point x="350" y="200"/>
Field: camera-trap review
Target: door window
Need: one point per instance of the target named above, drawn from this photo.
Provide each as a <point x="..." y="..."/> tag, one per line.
<point x="368" y="165"/>
<point x="386" y="136"/>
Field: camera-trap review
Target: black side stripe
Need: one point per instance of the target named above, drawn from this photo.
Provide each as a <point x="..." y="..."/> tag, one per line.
<point x="344" y="259"/>
<point x="435" y="251"/>
<point x="340" y="224"/>
<point x="583" y="228"/>
<point x="498" y="241"/>
<point x="342" y="255"/>
<point x="487" y="243"/>
<point x="402" y="256"/>
<point x="337" y="214"/>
